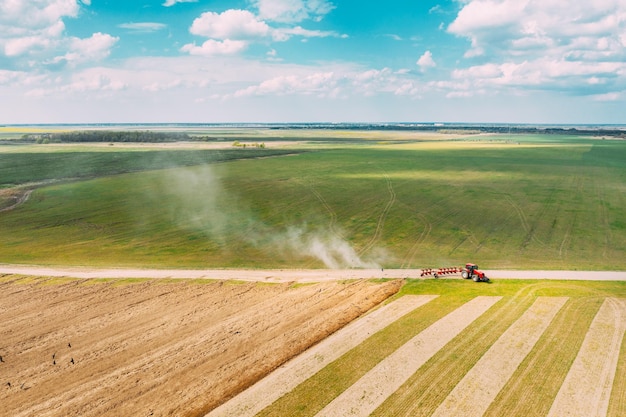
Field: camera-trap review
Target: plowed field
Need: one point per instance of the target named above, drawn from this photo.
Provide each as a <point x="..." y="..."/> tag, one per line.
<point x="91" y="348"/>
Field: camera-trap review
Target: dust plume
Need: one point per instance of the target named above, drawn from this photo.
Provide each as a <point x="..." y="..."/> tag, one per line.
<point x="333" y="251"/>
<point x="197" y="201"/>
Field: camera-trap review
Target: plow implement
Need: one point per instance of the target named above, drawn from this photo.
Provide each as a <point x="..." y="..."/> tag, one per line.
<point x="467" y="272"/>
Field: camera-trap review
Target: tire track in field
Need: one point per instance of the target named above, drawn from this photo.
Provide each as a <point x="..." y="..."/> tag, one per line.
<point x="332" y="225"/>
<point x="479" y="387"/>
<point x="567" y="237"/>
<point x="362" y="398"/>
<point x="381" y="219"/>
<point x="604" y="220"/>
<point x="530" y="230"/>
<point x="428" y="227"/>
<point x="412" y="253"/>
<point x="586" y="390"/>
<point x="21" y="199"/>
<point x="287" y="377"/>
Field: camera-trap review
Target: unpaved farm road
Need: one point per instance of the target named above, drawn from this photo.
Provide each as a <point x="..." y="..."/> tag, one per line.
<point x="292" y="275"/>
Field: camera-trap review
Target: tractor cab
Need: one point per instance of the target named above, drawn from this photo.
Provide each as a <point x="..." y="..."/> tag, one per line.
<point x="471" y="271"/>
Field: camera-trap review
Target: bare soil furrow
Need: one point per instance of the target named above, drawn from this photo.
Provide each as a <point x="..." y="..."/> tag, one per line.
<point x="158" y="348"/>
<point x="617" y="404"/>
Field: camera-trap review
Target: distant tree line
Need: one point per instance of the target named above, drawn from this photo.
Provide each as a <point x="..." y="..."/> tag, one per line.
<point x="607" y="130"/>
<point x="108" y="136"/>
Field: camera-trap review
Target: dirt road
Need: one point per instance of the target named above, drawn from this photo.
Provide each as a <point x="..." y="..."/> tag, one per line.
<point x="293" y="275"/>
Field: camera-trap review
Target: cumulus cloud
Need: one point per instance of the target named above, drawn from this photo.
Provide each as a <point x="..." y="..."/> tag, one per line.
<point x="94" y="48"/>
<point x="35" y="15"/>
<point x="231" y="24"/>
<point x="556" y="27"/>
<point x="212" y="47"/>
<point x="426" y="61"/>
<point x="231" y="31"/>
<point x="574" y="47"/>
<point x="30" y="29"/>
<point x="292" y="11"/>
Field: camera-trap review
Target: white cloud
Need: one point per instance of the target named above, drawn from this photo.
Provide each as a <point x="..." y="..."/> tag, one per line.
<point x="556" y="45"/>
<point x="35" y="15"/>
<point x="435" y="9"/>
<point x="393" y="36"/>
<point x="142" y="27"/>
<point x="426" y="61"/>
<point x="616" y="96"/>
<point x="314" y="84"/>
<point x="94" y="48"/>
<point x="292" y="11"/>
<point x="578" y="78"/>
<point x="540" y="27"/>
<point x="231" y="24"/>
<point x="213" y="47"/>
<point x="283" y="34"/>
<point x="169" y="3"/>
<point x="232" y="31"/>
<point x="9" y="77"/>
<point x="341" y="83"/>
<point x="32" y="34"/>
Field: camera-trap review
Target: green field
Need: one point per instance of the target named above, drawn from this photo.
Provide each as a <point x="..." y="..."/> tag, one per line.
<point x="323" y="199"/>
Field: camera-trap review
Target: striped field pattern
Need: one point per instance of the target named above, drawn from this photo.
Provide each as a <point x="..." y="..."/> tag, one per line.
<point x="524" y="354"/>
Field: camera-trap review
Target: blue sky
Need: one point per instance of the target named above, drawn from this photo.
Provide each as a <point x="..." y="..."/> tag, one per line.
<point x="134" y="61"/>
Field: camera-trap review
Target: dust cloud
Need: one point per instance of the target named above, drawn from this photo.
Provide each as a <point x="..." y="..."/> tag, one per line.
<point x="196" y="200"/>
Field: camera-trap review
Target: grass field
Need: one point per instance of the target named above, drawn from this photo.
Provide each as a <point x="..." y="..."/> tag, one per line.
<point x="350" y="200"/>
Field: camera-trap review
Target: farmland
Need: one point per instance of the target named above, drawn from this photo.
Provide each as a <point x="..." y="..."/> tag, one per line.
<point x="320" y="199"/>
<point x="160" y="347"/>
<point x="312" y="200"/>
<point x="408" y="368"/>
<point x="135" y="347"/>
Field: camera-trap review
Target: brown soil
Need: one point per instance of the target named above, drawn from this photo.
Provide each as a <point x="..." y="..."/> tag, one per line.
<point x="157" y="348"/>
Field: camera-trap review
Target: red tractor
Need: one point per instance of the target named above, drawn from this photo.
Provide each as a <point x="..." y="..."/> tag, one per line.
<point x="471" y="271"/>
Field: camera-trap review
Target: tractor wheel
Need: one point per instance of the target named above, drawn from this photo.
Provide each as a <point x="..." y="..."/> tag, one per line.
<point x="475" y="278"/>
<point x="465" y="275"/>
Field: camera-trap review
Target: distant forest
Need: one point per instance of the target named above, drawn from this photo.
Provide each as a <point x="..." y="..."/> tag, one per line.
<point x="108" y="136"/>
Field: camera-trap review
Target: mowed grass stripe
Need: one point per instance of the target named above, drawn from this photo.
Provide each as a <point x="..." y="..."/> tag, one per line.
<point x="587" y="388"/>
<point x="534" y="385"/>
<point x="431" y="384"/>
<point x="362" y="398"/>
<point x="472" y="396"/>
<point x="287" y="377"/>
<point x="312" y="395"/>
<point x="617" y="404"/>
